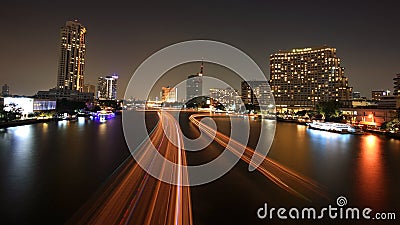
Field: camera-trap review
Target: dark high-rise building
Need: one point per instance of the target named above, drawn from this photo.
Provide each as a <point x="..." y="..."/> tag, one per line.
<point x="194" y="84"/>
<point x="107" y="87"/>
<point x="89" y="88"/>
<point x="300" y="78"/>
<point x="71" y="66"/>
<point x="256" y="93"/>
<point x="5" y="90"/>
<point x="397" y="85"/>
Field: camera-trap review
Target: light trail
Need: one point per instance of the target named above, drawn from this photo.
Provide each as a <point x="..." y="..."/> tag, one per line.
<point x="135" y="197"/>
<point x="285" y="178"/>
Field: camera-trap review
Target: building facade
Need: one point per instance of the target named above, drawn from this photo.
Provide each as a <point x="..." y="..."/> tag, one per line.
<point x="228" y="97"/>
<point x="369" y="116"/>
<point x="256" y="93"/>
<point x="356" y="95"/>
<point x="5" y="90"/>
<point x="89" y="88"/>
<point x="194" y="84"/>
<point x="169" y="94"/>
<point x="72" y="95"/>
<point x="300" y="78"/>
<point x="71" y="68"/>
<point x="396" y="85"/>
<point x="107" y="87"/>
<point x="376" y="95"/>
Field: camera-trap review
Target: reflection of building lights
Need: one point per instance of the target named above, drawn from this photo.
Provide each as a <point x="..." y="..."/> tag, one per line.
<point x="45" y="127"/>
<point x="371" y="140"/>
<point x="81" y="120"/>
<point x="62" y="122"/>
<point x="23" y="131"/>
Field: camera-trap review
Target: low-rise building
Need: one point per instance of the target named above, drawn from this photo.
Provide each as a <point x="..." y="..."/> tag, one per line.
<point x="72" y="95"/>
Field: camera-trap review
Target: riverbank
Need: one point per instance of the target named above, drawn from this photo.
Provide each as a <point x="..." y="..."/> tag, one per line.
<point x="23" y="122"/>
<point x="368" y="131"/>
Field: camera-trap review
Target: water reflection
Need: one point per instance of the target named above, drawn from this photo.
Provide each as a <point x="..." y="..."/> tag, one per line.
<point x="324" y="140"/>
<point x="22" y="131"/>
<point x="45" y="127"/>
<point x="20" y="157"/>
<point x="102" y="129"/>
<point x="63" y="123"/>
<point x="81" y="121"/>
<point x="370" y="173"/>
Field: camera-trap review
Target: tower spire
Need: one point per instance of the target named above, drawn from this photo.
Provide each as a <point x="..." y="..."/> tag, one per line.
<point x="201" y="68"/>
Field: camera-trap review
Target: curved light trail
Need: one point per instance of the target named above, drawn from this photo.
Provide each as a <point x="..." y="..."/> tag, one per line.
<point x="284" y="177"/>
<point x="134" y="197"/>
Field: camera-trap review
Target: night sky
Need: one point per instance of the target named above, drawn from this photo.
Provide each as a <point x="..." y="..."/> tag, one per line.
<point x="121" y="35"/>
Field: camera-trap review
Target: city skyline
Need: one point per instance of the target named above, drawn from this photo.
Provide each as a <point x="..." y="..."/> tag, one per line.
<point x="118" y="44"/>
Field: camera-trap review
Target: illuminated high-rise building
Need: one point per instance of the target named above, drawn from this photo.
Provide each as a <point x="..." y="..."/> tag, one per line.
<point x="300" y="78"/>
<point x="194" y="84"/>
<point x="107" y="87"/>
<point x="71" y="68"/>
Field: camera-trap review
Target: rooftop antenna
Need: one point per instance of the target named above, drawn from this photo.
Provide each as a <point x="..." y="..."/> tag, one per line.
<point x="201" y="67"/>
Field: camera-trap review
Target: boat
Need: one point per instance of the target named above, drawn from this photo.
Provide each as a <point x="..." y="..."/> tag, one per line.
<point x="103" y="115"/>
<point x="342" y="128"/>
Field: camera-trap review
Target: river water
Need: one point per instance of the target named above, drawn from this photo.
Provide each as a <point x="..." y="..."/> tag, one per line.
<point x="48" y="170"/>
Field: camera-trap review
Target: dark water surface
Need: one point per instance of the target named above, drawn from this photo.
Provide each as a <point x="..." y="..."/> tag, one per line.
<point x="47" y="171"/>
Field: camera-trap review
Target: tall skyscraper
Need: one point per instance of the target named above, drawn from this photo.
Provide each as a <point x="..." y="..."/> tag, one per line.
<point x="107" y="87"/>
<point x="71" y="68"/>
<point x="300" y="78"/>
<point x="397" y="85"/>
<point x="194" y="84"/>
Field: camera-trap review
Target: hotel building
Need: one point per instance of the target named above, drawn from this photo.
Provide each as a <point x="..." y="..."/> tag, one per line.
<point x="300" y="78"/>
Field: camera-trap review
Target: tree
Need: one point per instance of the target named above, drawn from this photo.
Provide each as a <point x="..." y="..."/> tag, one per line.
<point x="10" y="112"/>
<point x="330" y="110"/>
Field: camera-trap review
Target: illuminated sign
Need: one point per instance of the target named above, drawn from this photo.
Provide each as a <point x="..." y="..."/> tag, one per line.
<point x="301" y="49"/>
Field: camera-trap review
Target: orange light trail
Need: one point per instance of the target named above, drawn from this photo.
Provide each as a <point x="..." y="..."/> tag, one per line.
<point x="135" y="197"/>
<point x="285" y="178"/>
